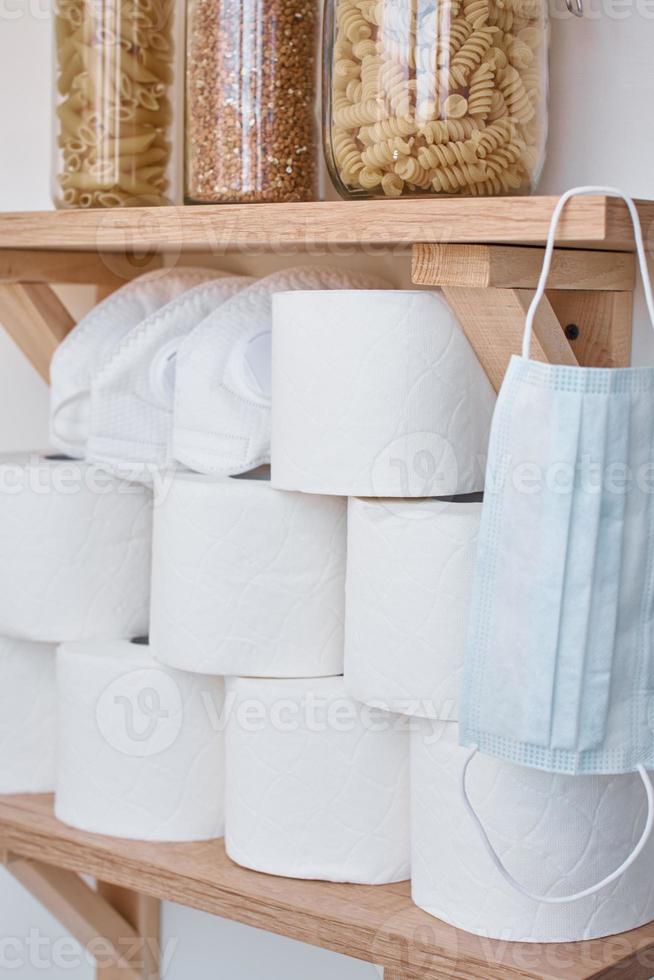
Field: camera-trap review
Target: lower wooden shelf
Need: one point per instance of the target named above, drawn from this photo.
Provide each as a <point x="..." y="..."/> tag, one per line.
<point x="374" y="923"/>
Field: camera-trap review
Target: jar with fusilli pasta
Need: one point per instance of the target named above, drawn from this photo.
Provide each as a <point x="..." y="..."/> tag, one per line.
<point x="435" y="96"/>
<point x="115" y="64"/>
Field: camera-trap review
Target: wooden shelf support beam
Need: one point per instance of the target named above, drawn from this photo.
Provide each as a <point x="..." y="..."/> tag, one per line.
<point x="603" y="321"/>
<point x="584" y="319"/>
<point x="494" y="322"/>
<point x="107" y="269"/>
<point x="519" y="267"/>
<point x="37" y="320"/>
<point x="143" y="914"/>
<point x="96" y="918"/>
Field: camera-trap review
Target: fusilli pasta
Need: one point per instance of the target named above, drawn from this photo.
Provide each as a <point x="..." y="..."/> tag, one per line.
<point x="441" y="98"/>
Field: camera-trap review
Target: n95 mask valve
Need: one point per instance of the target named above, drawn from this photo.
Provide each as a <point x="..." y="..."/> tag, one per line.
<point x="223" y="397"/>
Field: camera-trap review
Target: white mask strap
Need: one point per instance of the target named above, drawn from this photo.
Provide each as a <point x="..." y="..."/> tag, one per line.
<point x="559" y="899"/>
<point x="549" y="250"/>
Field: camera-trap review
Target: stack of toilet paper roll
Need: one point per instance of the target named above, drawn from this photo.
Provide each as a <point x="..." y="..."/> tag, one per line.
<point x="74" y="565"/>
<point x="140" y="746"/>
<point x="249" y="582"/>
<point x="317" y="781"/>
<point x="296" y="615"/>
<point x="381" y="399"/>
<point x="138" y="750"/>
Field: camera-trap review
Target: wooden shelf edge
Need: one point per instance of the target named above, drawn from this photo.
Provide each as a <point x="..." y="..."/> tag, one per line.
<point x="378" y="924"/>
<point x="327" y="227"/>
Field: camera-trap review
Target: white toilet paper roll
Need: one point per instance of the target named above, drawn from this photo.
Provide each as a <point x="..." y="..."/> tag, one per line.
<point x="75" y="548"/>
<point x="247" y="579"/>
<point x="140" y="748"/>
<point x="409" y="578"/>
<point x="376" y="394"/>
<point x="317" y="784"/>
<point x="27" y="716"/>
<point x="91" y="341"/>
<point x="557" y="834"/>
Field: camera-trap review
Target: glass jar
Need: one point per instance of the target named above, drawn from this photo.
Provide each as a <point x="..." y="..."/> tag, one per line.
<point x="251" y="84"/>
<point x="114" y="103"/>
<point x="435" y="96"/>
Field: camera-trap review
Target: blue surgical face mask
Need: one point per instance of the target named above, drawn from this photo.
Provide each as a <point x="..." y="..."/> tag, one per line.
<point x="559" y="672"/>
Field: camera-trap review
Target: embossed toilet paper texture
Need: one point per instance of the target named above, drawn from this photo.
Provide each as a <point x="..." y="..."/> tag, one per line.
<point x="376" y="394"/>
<point x="312" y="790"/>
<point x="28" y="712"/>
<point x="140" y="748"/>
<point x="557" y="834"/>
<point x="83" y="351"/>
<point x="409" y="579"/>
<point x="75" y="551"/>
<point x="247" y="579"/>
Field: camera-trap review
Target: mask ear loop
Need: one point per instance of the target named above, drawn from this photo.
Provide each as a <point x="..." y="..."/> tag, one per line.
<point x="549" y="251"/>
<point x="559" y="899"/>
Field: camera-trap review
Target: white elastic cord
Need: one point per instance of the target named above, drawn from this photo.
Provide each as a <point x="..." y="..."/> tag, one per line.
<point x="549" y="250"/>
<point x="560" y="899"/>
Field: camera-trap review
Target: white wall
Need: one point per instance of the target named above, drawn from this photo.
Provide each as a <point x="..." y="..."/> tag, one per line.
<point x="601" y="130"/>
<point x="602" y="94"/>
<point x="24" y="175"/>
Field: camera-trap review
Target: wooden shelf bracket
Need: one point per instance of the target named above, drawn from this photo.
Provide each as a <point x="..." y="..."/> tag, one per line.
<point x="585" y="317"/>
<point x="120" y="929"/>
<point x="36" y="319"/>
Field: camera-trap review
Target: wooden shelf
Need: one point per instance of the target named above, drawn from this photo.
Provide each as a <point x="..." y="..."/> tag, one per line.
<point x="374" y="923"/>
<point x="596" y="222"/>
<point x="489" y="288"/>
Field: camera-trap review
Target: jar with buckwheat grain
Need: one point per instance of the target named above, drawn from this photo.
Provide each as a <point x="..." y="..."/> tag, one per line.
<point x="251" y="84"/>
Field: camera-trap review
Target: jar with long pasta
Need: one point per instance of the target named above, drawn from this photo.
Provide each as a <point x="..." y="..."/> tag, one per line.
<point x="115" y="68"/>
<point x="435" y="96"/>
